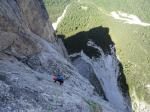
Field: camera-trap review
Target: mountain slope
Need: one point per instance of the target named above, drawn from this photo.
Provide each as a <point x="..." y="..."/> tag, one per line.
<point x="29" y="54"/>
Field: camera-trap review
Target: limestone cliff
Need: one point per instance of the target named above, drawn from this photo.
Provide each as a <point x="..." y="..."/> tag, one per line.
<point x="29" y="53"/>
<point x="22" y="25"/>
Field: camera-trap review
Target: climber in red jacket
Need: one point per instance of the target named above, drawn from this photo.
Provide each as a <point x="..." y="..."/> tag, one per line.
<point x="58" y="78"/>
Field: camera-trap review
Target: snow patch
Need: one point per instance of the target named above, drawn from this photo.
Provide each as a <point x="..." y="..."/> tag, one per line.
<point x="59" y="19"/>
<point x="148" y="86"/>
<point x="128" y="18"/>
<point x="143" y="107"/>
<point x="90" y="43"/>
<point x="138" y="105"/>
<point x="84" y="7"/>
<point x="74" y="55"/>
<point x="118" y="57"/>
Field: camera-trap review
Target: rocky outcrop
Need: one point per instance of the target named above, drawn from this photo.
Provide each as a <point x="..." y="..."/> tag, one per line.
<point x="29" y="54"/>
<point x="23" y="24"/>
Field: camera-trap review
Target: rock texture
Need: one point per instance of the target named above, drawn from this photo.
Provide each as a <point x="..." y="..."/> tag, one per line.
<point x="23" y="24"/>
<point x="29" y="53"/>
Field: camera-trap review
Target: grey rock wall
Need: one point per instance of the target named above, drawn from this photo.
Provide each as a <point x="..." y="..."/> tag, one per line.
<point x="29" y="54"/>
<point x="22" y="24"/>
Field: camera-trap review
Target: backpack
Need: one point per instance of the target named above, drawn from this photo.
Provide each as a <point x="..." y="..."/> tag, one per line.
<point x="60" y="77"/>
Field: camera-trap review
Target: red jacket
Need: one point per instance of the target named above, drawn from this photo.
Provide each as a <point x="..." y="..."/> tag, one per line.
<point x="54" y="77"/>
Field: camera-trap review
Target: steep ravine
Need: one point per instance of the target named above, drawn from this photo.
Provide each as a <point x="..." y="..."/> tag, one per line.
<point x="94" y="50"/>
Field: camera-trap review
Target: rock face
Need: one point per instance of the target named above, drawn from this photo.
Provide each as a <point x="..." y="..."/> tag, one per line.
<point x="23" y="24"/>
<point x="29" y="53"/>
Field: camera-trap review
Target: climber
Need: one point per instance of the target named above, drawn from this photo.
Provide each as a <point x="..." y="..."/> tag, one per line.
<point x="58" y="78"/>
